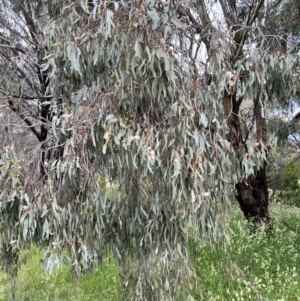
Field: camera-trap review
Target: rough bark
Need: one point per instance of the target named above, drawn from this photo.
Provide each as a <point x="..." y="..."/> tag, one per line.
<point x="252" y="196"/>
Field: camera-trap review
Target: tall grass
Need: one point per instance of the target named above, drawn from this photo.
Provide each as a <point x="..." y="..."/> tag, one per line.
<point x="253" y="267"/>
<point x="33" y="284"/>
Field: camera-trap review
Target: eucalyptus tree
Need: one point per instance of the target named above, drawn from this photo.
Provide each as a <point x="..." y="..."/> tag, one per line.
<point x="151" y="96"/>
<point x="251" y="66"/>
<point x="170" y="127"/>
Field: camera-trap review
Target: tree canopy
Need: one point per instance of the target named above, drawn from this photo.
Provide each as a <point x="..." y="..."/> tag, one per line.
<point x="148" y="112"/>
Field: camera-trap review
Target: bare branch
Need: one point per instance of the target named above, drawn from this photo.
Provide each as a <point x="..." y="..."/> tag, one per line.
<point x="230" y="12"/>
<point x="241" y="39"/>
<point x="21" y="96"/>
<point x="255" y="13"/>
<point x="207" y="27"/>
<point x="25" y="119"/>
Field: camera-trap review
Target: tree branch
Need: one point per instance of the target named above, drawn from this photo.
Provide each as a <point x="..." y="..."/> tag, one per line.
<point x="241" y="39"/>
<point x="17" y="49"/>
<point x="21" y="96"/>
<point x="277" y="3"/>
<point x="207" y="26"/>
<point x="255" y="13"/>
<point x="25" y="119"/>
<point x="229" y="12"/>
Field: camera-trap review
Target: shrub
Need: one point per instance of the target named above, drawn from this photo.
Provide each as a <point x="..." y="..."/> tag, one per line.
<point x="289" y="185"/>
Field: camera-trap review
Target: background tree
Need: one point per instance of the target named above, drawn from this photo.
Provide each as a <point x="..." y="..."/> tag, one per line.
<point x="24" y="122"/>
<point x="244" y="21"/>
<point x="289" y="185"/>
<point x="25" y="86"/>
<point x="281" y="25"/>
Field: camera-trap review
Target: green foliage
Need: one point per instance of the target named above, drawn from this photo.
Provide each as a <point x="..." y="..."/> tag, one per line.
<point x="290" y="185"/>
<point x="279" y="127"/>
<point x="252" y="267"/>
<point x="278" y="159"/>
<point x="284" y="19"/>
<point x="290" y="177"/>
<point x="261" y="267"/>
<point x="35" y="285"/>
<point x="14" y="201"/>
<point x="169" y="162"/>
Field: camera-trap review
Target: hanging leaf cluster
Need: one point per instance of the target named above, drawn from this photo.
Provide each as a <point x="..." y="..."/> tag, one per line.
<point x="141" y="154"/>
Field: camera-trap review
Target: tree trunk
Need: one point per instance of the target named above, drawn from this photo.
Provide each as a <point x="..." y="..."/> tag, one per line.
<point x="252" y="193"/>
<point x="252" y="196"/>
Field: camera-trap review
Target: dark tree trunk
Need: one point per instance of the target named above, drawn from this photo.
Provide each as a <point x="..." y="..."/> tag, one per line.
<point x="252" y="196"/>
<point x="251" y="193"/>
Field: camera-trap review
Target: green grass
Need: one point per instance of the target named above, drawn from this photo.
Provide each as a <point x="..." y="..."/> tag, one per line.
<point x="34" y="285"/>
<point x="254" y="267"/>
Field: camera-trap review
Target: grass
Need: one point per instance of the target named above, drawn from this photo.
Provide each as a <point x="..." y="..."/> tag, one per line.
<point x="257" y="267"/>
<point x="34" y="285"/>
